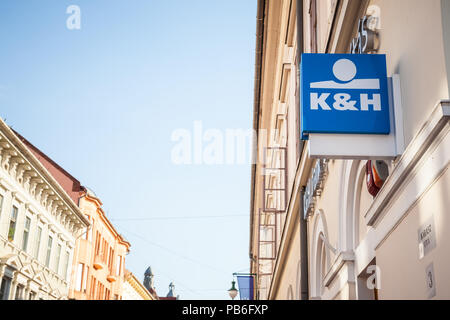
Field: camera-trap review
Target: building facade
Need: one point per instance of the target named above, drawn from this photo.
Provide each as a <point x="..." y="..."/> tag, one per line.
<point x="39" y="225"/>
<point x="346" y="241"/>
<point x="99" y="266"/>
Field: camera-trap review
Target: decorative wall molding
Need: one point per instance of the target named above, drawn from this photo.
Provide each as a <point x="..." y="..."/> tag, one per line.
<point x="431" y="134"/>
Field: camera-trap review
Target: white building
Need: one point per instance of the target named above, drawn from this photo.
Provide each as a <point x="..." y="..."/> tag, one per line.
<point x="39" y="224"/>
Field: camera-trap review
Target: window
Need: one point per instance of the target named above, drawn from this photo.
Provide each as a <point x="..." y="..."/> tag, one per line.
<point x="49" y="251"/>
<point x="86" y="234"/>
<point x="32" y="296"/>
<point x="38" y="242"/>
<point x="79" y="277"/>
<point x="90" y="229"/>
<point x="104" y="251"/>
<point x="58" y="258"/>
<point x="12" y="223"/>
<point x="100" y="291"/>
<point x="85" y="278"/>
<point x="66" y="264"/>
<point x="26" y="232"/>
<point x="97" y="243"/>
<point x="82" y="277"/>
<point x="111" y="260"/>
<point x="102" y="248"/>
<point x="289" y="40"/>
<point x="4" y="288"/>
<point x="19" y="292"/>
<point x="313" y="20"/>
<point x="93" y="283"/>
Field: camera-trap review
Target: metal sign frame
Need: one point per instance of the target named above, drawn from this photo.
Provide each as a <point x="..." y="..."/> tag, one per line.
<point x="363" y="146"/>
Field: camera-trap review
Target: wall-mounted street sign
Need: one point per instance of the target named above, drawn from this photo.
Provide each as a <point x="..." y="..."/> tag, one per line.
<point x="427" y="237"/>
<point x="348" y="108"/>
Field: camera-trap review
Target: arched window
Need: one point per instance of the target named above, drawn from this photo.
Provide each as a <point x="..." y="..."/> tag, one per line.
<point x="363" y="200"/>
<point x="320" y="259"/>
<point x="322" y="266"/>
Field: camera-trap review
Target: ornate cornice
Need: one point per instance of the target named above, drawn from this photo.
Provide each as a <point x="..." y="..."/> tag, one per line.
<point x="106" y="221"/>
<point x="19" y="163"/>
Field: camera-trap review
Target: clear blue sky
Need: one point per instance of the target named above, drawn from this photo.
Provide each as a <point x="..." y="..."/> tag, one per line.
<point x="103" y="102"/>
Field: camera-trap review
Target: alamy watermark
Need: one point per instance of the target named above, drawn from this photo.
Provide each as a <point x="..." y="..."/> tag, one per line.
<point x="200" y="146"/>
<point x="374" y="280"/>
<point x="73" y="22"/>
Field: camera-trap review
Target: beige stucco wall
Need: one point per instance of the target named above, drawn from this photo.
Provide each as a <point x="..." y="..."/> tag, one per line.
<point x="403" y="275"/>
<point x="415" y="50"/>
<point x="329" y="202"/>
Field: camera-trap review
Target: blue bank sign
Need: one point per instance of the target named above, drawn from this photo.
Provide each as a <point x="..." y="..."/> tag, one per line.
<point x="344" y="94"/>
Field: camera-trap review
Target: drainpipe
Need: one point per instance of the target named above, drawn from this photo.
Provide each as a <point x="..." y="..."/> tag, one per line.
<point x="303" y="224"/>
<point x="303" y="250"/>
<point x="256" y="112"/>
<point x="299" y="31"/>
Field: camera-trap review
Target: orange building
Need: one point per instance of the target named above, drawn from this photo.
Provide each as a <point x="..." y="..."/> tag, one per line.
<point x="99" y="259"/>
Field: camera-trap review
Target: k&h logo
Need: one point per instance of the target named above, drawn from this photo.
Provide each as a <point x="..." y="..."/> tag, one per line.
<point x="344" y="93"/>
<point x="345" y="71"/>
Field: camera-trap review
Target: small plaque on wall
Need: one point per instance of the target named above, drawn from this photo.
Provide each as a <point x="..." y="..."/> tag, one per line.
<point x="427" y="237"/>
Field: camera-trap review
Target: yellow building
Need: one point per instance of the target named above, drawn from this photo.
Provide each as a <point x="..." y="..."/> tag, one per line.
<point x="344" y="242"/>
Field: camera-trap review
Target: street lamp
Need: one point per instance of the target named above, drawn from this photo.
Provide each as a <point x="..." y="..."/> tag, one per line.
<point x="233" y="291"/>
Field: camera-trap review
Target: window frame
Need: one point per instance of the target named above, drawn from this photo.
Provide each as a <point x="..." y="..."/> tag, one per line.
<point x="5" y="288"/>
<point x="26" y="233"/>
<point x="13" y="223"/>
<point x="58" y="258"/>
<point x="118" y="265"/>
<point x="66" y="264"/>
<point x="84" y="284"/>
<point x="38" y="242"/>
<point x="79" y="277"/>
<point x="20" y="290"/>
<point x="49" y="251"/>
